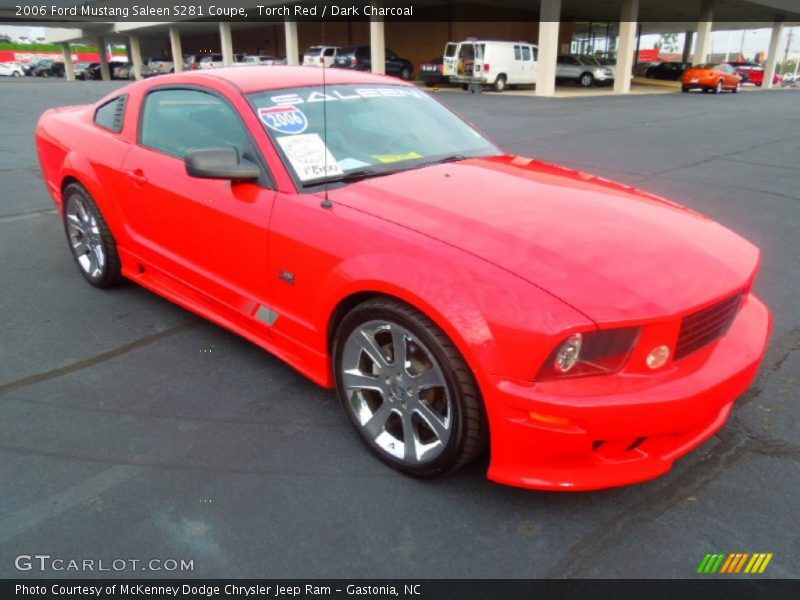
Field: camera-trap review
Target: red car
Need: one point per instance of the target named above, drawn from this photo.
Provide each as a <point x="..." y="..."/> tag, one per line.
<point x="753" y="73"/>
<point x="457" y="298"/>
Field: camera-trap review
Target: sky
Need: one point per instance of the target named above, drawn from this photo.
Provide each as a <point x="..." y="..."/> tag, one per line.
<point x="755" y="40"/>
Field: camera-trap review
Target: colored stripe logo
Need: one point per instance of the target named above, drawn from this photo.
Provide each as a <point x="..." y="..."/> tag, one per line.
<point x="735" y="562"/>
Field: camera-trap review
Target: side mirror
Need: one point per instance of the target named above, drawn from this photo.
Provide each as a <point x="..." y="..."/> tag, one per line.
<point x="220" y="163"/>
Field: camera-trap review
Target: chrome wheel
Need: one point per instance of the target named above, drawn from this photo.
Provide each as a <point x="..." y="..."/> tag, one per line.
<point x="84" y="236"/>
<point x="396" y="392"/>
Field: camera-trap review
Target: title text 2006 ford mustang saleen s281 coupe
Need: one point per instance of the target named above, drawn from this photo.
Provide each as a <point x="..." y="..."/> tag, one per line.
<point x="588" y="333"/>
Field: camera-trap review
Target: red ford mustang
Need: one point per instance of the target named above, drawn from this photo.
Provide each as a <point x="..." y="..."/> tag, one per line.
<point x="456" y="297"/>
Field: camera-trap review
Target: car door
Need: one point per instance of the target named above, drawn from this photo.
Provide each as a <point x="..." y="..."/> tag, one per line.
<point x="450" y="60"/>
<point x="731" y="79"/>
<point x="528" y="66"/>
<point x="210" y="235"/>
<point x="567" y="67"/>
<point x="393" y="63"/>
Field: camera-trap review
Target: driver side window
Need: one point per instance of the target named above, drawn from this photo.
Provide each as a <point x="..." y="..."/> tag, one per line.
<point x="176" y="121"/>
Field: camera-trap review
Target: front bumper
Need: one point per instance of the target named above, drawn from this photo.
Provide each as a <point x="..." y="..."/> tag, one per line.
<point x="599" y="432"/>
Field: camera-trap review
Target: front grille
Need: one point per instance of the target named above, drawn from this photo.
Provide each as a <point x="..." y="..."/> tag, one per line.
<point x="705" y="326"/>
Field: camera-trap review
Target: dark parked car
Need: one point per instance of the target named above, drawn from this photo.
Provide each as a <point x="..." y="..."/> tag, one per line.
<point x="669" y="71"/>
<point x="47" y="68"/>
<point x="93" y="71"/>
<point x="80" y="69"/>
<point x="360" y="59"/>
<point x="433" y="72"/>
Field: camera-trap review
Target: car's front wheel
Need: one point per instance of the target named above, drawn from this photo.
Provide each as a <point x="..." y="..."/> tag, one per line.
<point x="586" y="80"/>
<point x="407" y="390"/>
<point x="405" y="74"/>
<point x="93" y="247"/>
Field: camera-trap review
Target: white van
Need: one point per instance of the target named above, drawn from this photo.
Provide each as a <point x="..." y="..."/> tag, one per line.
<point x="320" y="56"/>
<point x="487" y="62"/>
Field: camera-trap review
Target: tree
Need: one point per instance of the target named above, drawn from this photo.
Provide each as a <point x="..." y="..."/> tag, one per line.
<point x="668" y="42"/>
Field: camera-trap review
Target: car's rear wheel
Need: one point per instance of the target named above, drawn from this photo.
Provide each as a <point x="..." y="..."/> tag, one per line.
<point x="405" y="74"/>
<point x="15" y="74"/>
<point x="500" y="83"/>
<point x="93" y="247"/>
<point x="586" y="80"/>
<point x="685" y="88"/>
<point x="718" y="87"/>
<point x="407" y="390"/>
<point x="736" y="88"/>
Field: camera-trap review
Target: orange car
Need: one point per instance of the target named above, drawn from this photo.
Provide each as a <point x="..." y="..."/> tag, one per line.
<point x="711" y="78"/>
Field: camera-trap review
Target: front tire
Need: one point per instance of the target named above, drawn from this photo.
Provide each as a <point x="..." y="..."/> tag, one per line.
<point x="718" y="87"/>
<point x="407" y="390"/>
<point x="92" y="245"/>
<point x="586" y="80"/>
<point x="405" y="74"/>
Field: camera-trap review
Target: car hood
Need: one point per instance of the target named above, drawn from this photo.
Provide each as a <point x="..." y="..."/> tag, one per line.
<point x="614" y="253"/>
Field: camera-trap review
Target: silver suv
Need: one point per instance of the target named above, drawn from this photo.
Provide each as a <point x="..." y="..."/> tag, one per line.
<point x="585" y="70"/>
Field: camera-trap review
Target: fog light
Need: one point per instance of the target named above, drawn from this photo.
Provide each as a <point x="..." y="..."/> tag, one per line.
<point x="569" y="353"/>
<point x="658" y="357"/>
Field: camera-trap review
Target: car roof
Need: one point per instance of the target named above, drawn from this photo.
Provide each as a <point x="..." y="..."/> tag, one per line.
<point x="256" y="79"/>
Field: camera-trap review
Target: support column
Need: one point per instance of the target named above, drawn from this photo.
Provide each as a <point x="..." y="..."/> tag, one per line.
<point x="549" y="21"/>
<point x="772" y="54"/>
<point x="627" y="46"/>
<point x="175" y="45"/>
<point x="69" y="70"/>
<point x="377" y="44"/>
<point x="702" y="45"/>
<point x="292" y="45"/>
<point x="687" y="46"/>
<point x="136" y="56"/>
<point x="226" y="43"/>
<point x="102" y="50"/>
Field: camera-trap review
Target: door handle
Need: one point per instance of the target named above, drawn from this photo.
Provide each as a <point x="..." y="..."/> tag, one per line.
<point x="137" y="175"/>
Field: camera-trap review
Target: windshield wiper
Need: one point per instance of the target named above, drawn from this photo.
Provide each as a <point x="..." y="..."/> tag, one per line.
<point x="447" y="159"/>
<point x="351" y="176"/>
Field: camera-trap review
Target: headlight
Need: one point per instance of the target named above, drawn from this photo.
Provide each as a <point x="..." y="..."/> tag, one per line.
<point x="590" y="353"/>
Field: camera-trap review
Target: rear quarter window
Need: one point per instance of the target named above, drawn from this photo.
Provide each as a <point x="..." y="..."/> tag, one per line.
<point x="111" y="115"/>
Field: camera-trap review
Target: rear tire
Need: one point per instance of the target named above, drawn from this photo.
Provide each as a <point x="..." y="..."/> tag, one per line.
<point x="407" y="390"/>
<point x="500" y="83"/>
<point x="405" y="74"/>
<point x="685" y="89"/>
<point x="90" y="240"/>
<point x="718" y="87"/>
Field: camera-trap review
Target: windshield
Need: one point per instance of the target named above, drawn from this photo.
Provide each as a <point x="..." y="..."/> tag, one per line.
<point x="371" y="130"/>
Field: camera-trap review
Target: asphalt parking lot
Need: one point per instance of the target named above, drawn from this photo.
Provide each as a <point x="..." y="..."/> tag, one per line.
<point x="129" y="428"/>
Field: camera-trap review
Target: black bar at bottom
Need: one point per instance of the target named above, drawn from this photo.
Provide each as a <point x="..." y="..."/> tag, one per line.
<point x="717" y="588"/>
